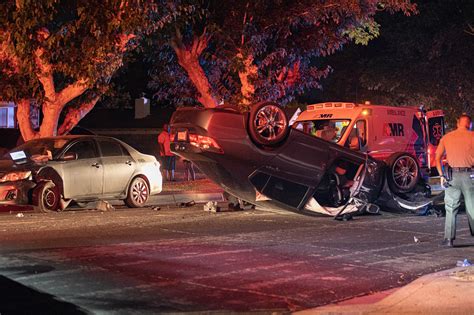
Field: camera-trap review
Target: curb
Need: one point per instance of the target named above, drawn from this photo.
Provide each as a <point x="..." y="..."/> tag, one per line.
<point x="444" y="292"/>
<point x="160" y="199"/>
<point x="175" y="198"/>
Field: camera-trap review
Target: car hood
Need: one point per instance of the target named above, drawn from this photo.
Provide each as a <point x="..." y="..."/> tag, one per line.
<point x="9" y="165"/>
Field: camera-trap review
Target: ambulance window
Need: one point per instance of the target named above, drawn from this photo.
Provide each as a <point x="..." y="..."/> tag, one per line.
<point x="330" y="129"/>
<point x="436" y="130"/>
<point x="327" y="129"/>
<point x="361" y="127"/>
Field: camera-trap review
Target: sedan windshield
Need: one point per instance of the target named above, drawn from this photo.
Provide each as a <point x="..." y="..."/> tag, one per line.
<point x="37" y="149"/>
<point x="327" y="129"/>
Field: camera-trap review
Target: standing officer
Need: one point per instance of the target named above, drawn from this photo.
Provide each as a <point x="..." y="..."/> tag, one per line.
<point x="459" y="148"/>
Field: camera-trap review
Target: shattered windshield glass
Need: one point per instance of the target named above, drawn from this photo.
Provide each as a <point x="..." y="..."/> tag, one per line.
<point x="327" y="129"/>
<point x="37" y="150"/>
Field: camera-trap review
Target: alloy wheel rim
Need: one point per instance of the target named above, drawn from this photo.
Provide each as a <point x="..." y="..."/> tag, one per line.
<point x="49" y="198"/>
<point x="270" y="122"/>
<point x="404" y="172"/>
<point x="140" y="192"/>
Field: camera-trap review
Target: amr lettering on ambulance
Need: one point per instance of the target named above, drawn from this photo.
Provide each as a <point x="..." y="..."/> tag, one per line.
<point x="381" y="131"/>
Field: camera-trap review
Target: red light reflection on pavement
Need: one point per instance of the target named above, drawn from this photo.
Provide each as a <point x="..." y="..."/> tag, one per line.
<point x="205" y="274"/>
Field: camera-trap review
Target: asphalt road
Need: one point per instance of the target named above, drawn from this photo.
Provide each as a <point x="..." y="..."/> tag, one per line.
<point x="184" y="259"/>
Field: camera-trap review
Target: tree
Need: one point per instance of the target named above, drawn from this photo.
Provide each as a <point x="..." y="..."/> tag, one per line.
<point x="62" y="54"/>
<point x="425" y="60"/>
<point x="247" y="51"/>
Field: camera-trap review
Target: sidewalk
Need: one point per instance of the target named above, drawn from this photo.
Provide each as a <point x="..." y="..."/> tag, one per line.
<point x="174" y="193"/>
<point x="445" y="292"/>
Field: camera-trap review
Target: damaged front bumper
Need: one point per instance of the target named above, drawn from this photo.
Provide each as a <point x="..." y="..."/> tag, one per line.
<point x="412" y="202"/>
<point x="16" y="193"/>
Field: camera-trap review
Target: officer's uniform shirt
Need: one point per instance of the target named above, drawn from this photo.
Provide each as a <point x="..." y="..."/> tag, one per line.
<point x="459" y="147"/>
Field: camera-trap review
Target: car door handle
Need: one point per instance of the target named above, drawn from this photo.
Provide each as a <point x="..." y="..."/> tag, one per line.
<point x="96" y="165"/>
<point x="129" y="163"/>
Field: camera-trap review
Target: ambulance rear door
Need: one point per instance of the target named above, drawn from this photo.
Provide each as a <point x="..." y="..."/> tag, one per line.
<point x="435" y="130"/>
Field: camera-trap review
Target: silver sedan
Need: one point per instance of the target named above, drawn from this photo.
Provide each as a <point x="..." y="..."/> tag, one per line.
<point x="51" y="172"/>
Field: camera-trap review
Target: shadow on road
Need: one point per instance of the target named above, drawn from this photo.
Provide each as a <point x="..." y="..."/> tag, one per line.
<point x="19" y="299"/>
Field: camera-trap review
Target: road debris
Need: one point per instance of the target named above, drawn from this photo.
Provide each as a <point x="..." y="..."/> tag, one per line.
<point x="20" y="215"/>
<point x="211" y="206"/>
<point x="104" y="206"/>
<point x="401" y="279"/>
<point x="186" y="204"/>
<point x="415" y="239"/>
<point x="156" y="208"/>
<point x="463" y="263"/>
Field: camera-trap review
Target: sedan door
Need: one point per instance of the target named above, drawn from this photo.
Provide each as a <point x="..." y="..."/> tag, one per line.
<point x="83" y="177"/>
<point x="118" y="167"/>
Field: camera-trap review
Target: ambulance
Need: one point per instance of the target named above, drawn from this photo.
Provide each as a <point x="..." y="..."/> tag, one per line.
<point x="404" y="137"/>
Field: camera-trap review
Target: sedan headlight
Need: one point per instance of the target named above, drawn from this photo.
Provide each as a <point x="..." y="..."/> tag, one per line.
<point x="15" y="176"/>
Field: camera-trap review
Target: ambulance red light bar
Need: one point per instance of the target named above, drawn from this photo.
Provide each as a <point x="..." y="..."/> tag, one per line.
<point x="314" y="107"/>
<point x="329" y="105"/>
<point x="434" y="113"/>
<point x="205" y="143"/>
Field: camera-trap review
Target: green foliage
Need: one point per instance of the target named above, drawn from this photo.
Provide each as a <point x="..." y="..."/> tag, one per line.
<point x="364" y="33"/>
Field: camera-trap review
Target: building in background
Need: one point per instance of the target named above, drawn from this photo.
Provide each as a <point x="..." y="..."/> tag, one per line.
<point x="8" y="115"/>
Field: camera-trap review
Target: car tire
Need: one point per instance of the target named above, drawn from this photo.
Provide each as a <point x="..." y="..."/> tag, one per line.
<point x="138" y="193"/>
<point x="268" y="124"/>
<point x="403" y="173"/>
<point x="46" y="197"/>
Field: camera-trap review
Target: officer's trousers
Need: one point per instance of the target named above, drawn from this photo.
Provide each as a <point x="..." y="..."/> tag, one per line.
<point x="462" y="183"/>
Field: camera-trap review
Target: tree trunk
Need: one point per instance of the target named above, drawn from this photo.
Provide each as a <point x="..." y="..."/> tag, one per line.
<point x="49" y="125"/>
<point x="198" y="78"/>
<point x="188" y="58"/>
<point x="23" y="116"/>
<point x="246" y="76"/>
<point x="74" y="115"/>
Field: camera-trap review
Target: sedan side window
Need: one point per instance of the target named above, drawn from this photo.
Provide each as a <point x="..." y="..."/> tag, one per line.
<point x="111" y="148"/>
<point x="83" y="149"/>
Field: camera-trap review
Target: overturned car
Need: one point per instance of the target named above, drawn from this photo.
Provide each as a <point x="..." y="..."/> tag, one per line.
<point x="257" y="157"/>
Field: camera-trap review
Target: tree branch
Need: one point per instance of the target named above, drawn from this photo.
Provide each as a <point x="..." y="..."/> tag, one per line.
<point x="470" y="29"/>
<point x="45" y="75"/>
<point x="74" y="115"/>
<point x="23" y="116"/>
<point x="72" y="91"/>
<point x="188" y="59"/>
<point x="289" y="76"/>
<point x="5" y="53"/>
<point x="247" y="88"/>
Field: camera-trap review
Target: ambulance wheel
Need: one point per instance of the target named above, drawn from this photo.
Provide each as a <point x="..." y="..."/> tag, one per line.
<point x="403" y="173"/>
<point x="268" y="124"/>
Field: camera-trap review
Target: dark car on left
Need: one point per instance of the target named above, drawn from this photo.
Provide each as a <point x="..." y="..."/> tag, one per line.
<point x="51" y="172"/>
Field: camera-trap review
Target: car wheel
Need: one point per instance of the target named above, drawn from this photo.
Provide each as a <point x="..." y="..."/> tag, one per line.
<point x="403" y="173"/>
<point x="138" y="193"/>
<point x="268" y="124"/>
<point x="46" y="196"/>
